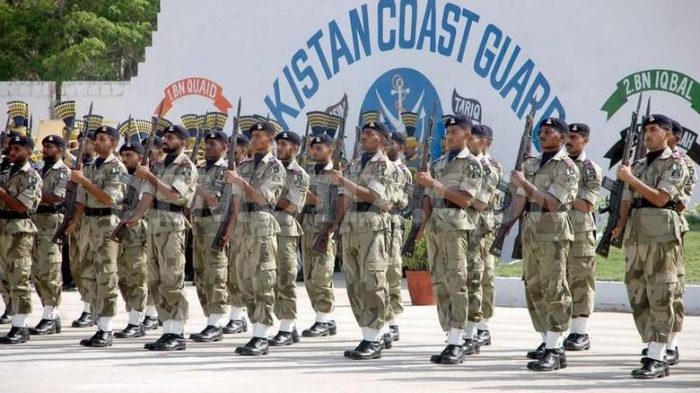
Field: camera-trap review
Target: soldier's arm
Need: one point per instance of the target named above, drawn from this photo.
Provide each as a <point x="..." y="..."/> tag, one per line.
<point x="654" y="195"/>
<point x="50" y="199"/>
<point x="90" y="187"/>
<point x="362" y="193"/>
<point x="311" y="198"/>
<point x="542" y="198"/>
<point x="144" y="205"/>
<point x="209" y="198"/>
<point x="458" y="197"/>
<point x="166" y="190"/>
<point x="625" y="208"/>
<point x="427" y="209"/>
<point x="517" y="209"/>
<point x="12" y="202"/>
<point x="342" y="207"/>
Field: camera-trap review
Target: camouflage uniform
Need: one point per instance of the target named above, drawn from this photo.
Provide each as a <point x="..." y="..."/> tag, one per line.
<point x="255" y="240"/>
<point x="318" y="267"/>
<point x="488" y="279"/>
<point x="210" y="266"/>
<point x="99" y="254"/>
<point x="402" y="176"/>
<point x="75" y="258"/>
<point x="652" y="247"/>
<point x="295" y="188"/>
<point x="581" y="266"/>
<point x="17" y="238"/>
<point x="546" y="240"/>
<point x="447" y="236"/>
<point x="166" y="239"/>
<point x="366" y="243"/>
<point x="46" y="268"/>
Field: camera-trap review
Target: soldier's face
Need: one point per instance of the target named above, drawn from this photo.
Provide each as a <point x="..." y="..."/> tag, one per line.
<point x="550" y="138"/>
<point x="371" y="140"/>
<point x="286" y="150"/>
<point x="89" y="147"/>
<point x="321" y="152"/>
<point x="172" y="143"/>
<point x="51" y="151"/>
<point x="241" y="152"/>
<point x="410" y="151"/>
<point x="104" y="144"/>
<point x="476" y="144"/>
<point x="261" y="141"/>
<point x="214" y="150"/>
<point x="575" y="143"/>
<point x="457" y="137"/>
<point x="655" y="137"/>
<point x="19" y="154"/>
<point x="673" y="140"/>
<point x="155" y="155"/>
<point x="131" y="159"/>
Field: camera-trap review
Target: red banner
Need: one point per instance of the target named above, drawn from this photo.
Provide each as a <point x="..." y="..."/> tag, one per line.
<point x="195" y="86"/>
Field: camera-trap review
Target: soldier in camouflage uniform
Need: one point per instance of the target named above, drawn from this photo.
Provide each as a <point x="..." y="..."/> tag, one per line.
<point x="365" y="228"/>
<point x="481" y="214"/>
<point x="237" y="322"/>
<point x="100" y="191"/>
<point x="546" y="190"/>
<point x="652" y="240"/>
<point x="46" y="267"/>
<point x="258" y="183"/>
<point x="453" y="181"/>
<point x="581" y="266"/>
<point x="20" y="194"/>
<point x="169" y="189"/>
<point x="318" y="266"/>
<point x="402" y="177"/>
<point x="210" y="266"/>
<point x="131" y="263"/>
<point x="289" y="204"/>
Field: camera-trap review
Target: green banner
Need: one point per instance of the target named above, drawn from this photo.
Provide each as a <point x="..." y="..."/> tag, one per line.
<point x="662" y="80"/>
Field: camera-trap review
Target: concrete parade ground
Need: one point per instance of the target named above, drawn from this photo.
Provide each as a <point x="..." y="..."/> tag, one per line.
<point x="57" y="363"/>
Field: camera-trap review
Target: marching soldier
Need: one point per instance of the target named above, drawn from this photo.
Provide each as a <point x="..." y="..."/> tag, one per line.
<point x="581" y="265"/>
<point x="20" y="194"/>
<point x="46" y="267"/>
<point x="481" y="214"/>
<point x="318" y="266"/>
<point x="289" y="204"/>
<point x="366" y="190"/>
<point x="237" y="322"/>
<point x="546" y="190"/>
<point x="454" y="180"/>
<point x="402" y="177"/>
<point x="210" y="266"/>
<point x="170" y="187"/>
<point x="652" y="241"/>
<point x="100" y="191"/>
<point x="258" y="183"/>
<point x="131" y="263"/>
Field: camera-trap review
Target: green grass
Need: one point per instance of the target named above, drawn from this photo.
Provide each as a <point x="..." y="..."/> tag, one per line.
<point x="613" y="268"/>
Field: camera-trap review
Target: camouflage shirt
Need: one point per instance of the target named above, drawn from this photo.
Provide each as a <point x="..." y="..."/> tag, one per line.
<point x="55" y="180"/>
<point x="484" y="221"/>
<point x="402" y="176"/>
<point x="295" y="188"/>
<point x="319" y="185"/>
<point x="462" y="173"/>
<point x="667" y="173"/>
<point x="212" y="181"/>
<point x="591" y="179"/>
<point x="181" y="175"/>
<point x="558" y="177"/>
<point x="25" y="186"/>
<point x="497" y="199"/>
<point x="687" y="190"/>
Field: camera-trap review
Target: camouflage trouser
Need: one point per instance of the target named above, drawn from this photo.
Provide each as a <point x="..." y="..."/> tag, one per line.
<point x="365" y="258"/>
<point x="318" y="273"/>
<point x="394" y="272"/>
<point x="285" y="286"/>
<point x="255" y="269"/>
<point x="651" y="281"/>
<point x="99" y="268"/>
<point x="580" y="273"/>
<point x="678" y="309"/>
<point x="47" y="258"/>
<point x="15" y="270"/>
<point x="546" y="289"/>
<point x="475" y="274"/>
<point x="447" y="255"/>
<point x="75" y="263"/>
<point x="166" y="274"/>
<point x="235" y="296"/>
<point x="488" y="279"/>
<point x="131" y="273"/>
<point x="210" y="269"/>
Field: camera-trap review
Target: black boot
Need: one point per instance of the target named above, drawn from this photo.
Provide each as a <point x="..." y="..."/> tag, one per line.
<point x="471" y="347"/>
<point x="6" y="318"/>
<point x="549" y="362"/>
<point x="98" y="340"/>
<point x="236" y="326"/>
<point x="150" y="323"/>
<point x="209" y="334"/>
<point x="85" y="320"/>
<point x="257" y="346"/>
<point x="673" y="356"/>
<point x="651" y="369"/>
<point x="366" y="350"/>
<point x="452" y="354"/>
<point x="394" y="330"/>
<point x="387" y="341"/>
<point x="320" y="329"/>
<point x="16" y="335"/>
<point x="168" y="342"/>
<point x="577" y="342"/>
<point x="537" y="353"/>
<point x="131" y="331"/>
<point x="285" y="338"/>
<point x="46" y="326"/>
<point x="483" y="337"/>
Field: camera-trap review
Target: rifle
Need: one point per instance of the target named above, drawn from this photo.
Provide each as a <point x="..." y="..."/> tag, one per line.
<point x="304" y="145"/>
<point x="356" y="147"/>
<point x="3" y="136"/>
<point x="59" y="237"/>
<point x="523" y="151"/>
<point x="132" y="194"/>
<point x="416" y="208"/>
<point x="321" y="243"/>
<point x="228" y="207"/>
<point x="198" y="140"/>
<point x="615" y="200"/>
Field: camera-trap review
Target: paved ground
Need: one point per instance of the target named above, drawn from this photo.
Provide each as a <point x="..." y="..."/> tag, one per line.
<point x="59" y="364"/>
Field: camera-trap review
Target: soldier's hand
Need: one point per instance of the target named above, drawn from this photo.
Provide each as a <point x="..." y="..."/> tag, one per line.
<point x="517" y="178"/>
<point x="142" y="172"/>
<point x="424" y="179"/>
<point x="77" y="176"/>
<point x="232" y="177"/>
<point x="131" y="222"/>
<point x="71" y="228"/>
<point x="616" y="232"/>
<point x="624" y="173"/>
<point x="336" y="177"/>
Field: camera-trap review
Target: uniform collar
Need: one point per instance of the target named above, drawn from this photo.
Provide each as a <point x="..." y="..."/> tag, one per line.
<point x="180" y="157"/>
<point x="267" y="157"/>
<point x="561" y="154"/>
<point x="111" y="157"/>
<point x="480" y="156"/>
<point x="666" y="153"/>
<point x="25" y="168"/>
<point x="379" y="155"/>
<point x="464" y="153"/>
<point x="581" y="157"/>
<point x="221" y="161"/>
<point x="294" y="165"/>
